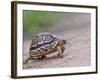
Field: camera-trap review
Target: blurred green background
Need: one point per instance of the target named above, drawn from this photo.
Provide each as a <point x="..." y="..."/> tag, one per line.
<point x="59" y="23"/>
<point x="38" y="21"/>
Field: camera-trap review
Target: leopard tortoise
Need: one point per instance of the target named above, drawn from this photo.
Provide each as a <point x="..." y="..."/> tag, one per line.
<point x="45" y="43"/>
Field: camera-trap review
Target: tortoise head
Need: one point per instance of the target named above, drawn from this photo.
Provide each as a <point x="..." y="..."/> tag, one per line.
<point x="62" y="42"/>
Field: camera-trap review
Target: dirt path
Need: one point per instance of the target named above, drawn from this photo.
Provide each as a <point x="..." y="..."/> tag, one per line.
<point x="77" y="51"/>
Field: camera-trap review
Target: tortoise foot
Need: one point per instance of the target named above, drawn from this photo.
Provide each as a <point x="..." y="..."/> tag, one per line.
<point x="60" y="55"/>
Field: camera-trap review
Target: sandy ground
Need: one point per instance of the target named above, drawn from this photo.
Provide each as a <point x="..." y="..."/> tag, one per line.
<point x="77" y="52"/>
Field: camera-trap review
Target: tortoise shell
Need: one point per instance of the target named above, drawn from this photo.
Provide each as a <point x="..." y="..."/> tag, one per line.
<point x="42" y="43"/>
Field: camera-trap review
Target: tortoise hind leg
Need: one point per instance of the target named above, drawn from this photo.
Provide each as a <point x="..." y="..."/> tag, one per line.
<point x="42" y="57"/>
<point x="30" y="58"/>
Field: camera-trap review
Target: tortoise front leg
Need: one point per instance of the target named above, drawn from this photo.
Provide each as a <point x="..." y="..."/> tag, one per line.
<point x="28" y="59"/>
<point x="60" y="51"/>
